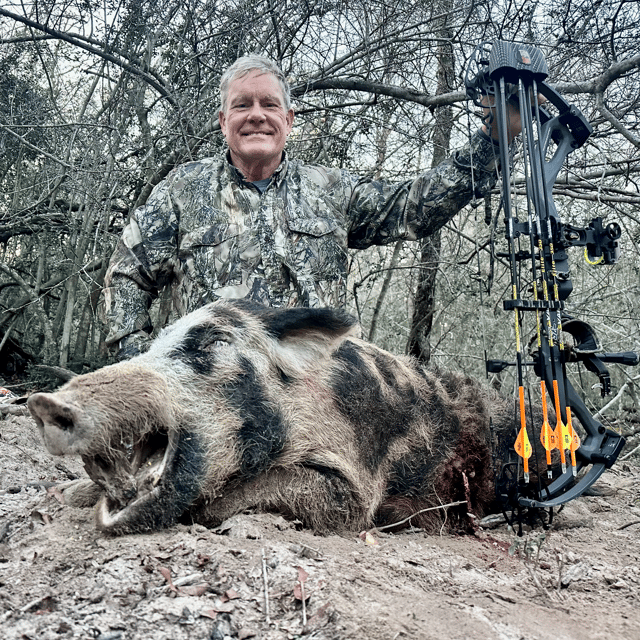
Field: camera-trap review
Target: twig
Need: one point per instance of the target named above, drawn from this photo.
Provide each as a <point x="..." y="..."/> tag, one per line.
<point x="467" y="494"/>
<point x="417" y="513"/>
<point x="266" y="587"/>
<point x="628" y="455"/>
<point x="629" y="524"/>
<point x="536" y="580"/>
<point x="627" y="386"/>
<point x="560" y="560"/>
<point x="7" y="614"/>
<point x="304" y="605"/>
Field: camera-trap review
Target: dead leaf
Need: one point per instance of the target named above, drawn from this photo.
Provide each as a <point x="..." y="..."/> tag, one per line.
<point x="166" y="574"/>
<point x="319" y="615"/>
<point x="231" y="594"/>
<point x="220" y="607"/>
<point x="209" y="613"/>
<point x="299" y="591"/>
<point x="40" y="516"/>
<point x="46" y="605"/>
<point x="203" y="559"/>
<point x="193" y="590"/>
<point x="367" y="538"/>
<point x="56" y="493"/>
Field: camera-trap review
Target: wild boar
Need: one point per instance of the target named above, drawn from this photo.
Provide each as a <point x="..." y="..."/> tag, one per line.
<point x="237" y="406"/>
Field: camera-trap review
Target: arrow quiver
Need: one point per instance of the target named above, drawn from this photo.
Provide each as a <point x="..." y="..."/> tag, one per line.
<point x="499" y="74"/>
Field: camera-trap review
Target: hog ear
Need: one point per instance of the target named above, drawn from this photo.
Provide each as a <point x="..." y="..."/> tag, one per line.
<point x="296" y="322"/>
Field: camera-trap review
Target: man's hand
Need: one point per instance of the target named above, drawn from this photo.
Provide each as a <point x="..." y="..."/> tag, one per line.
<point x="132" y="345"/>
<point x="514" y="121"/>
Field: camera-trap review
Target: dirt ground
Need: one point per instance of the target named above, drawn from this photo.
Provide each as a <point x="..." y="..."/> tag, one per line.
<point x="261" y="577"/>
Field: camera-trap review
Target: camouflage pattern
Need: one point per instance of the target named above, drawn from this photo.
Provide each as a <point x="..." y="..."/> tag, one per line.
<point x="209" y="234"/>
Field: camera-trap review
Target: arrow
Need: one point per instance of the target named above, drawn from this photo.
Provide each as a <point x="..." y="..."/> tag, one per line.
<point x="574" y="442"/>
<point x="522" y="445"/>
<point x="547" y="435"/>
<point x="560" y="429"/>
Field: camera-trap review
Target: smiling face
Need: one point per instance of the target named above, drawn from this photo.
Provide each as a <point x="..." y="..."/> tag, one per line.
<point x="256" y="124"/>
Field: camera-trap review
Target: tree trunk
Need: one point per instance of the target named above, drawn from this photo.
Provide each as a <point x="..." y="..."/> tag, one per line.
<point x="418" y="343"/>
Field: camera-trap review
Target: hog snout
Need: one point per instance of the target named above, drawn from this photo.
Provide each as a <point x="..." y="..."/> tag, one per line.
<point x="56" y="421"/>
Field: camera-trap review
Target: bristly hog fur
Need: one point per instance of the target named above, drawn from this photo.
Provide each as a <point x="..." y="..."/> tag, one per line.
<point x="239" y="407"/>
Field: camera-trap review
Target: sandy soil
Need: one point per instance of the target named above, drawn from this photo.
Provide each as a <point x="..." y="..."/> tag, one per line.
<point x="259" y="576"/>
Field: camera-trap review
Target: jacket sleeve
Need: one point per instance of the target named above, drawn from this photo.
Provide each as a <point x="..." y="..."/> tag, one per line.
<point x="381" y="213"/>
<point x="141" y="265"/>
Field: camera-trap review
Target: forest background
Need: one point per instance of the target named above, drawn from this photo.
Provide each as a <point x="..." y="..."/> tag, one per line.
<point x="100" y="99"/>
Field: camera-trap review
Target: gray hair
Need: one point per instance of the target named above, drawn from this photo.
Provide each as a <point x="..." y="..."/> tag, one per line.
<point x="252" y="62"/>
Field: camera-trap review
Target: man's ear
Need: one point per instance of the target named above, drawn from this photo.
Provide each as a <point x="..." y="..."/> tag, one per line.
<point x="223" y="122"/>
<point x="290" y="115"/>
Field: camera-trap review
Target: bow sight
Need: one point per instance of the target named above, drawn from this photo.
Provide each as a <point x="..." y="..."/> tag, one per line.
<point x="499" y="74"/>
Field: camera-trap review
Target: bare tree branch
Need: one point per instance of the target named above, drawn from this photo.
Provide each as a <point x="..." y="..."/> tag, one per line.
<point x="97" y="49"/>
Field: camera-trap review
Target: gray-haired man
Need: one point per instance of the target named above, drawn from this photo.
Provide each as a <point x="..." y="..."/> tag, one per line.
<point x="257" y="224"/>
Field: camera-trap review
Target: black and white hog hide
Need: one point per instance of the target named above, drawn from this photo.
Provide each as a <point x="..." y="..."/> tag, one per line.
<point x="237" y="406"/>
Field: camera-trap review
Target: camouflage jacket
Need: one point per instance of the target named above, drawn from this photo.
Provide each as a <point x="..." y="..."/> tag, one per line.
<point x="208" y="234"/>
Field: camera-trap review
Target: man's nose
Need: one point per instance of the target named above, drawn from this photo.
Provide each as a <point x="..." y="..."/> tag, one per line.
<point x="256" y="112"/>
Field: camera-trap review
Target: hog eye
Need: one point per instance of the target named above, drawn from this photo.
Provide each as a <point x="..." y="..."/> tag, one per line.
<point x="213" y="338"/>
<point x="200" y="347"/>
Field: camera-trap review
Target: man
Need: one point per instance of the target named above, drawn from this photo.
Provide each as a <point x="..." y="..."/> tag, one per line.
<point x="256" y="224"/>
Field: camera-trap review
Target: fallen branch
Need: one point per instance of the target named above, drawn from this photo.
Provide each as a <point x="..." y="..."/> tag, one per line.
<point x="266" y="588"/>
<point x="417" y="513"/>
<point x="304" y="606"/>
<point x="34" y="603"/>
<point x="59" y="372"/>
<point x="473" y="522"/>
<point x="14" y="410"/>
<point x="626" y="386"/>
<point x="628" y="455"/>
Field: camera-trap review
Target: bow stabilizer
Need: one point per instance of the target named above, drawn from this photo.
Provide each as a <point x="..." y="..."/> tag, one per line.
<point x="500" y="73"/>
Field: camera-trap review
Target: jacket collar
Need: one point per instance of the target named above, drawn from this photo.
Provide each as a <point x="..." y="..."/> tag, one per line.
<point x="278" y="175"/>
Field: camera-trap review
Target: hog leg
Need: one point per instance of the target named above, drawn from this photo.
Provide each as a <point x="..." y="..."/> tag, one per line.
<point x="80" y="493"/>
<point x="321" y="498"/>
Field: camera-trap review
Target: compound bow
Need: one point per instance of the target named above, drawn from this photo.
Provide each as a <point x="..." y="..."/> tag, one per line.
<point x="502" y="72"/>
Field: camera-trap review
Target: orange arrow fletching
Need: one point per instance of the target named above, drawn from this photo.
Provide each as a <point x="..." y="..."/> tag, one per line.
<point x="547" y="436"/>
<point x="522" y="444"/>
<point x="560" y="428"/>
<point x="574" y="443"/>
